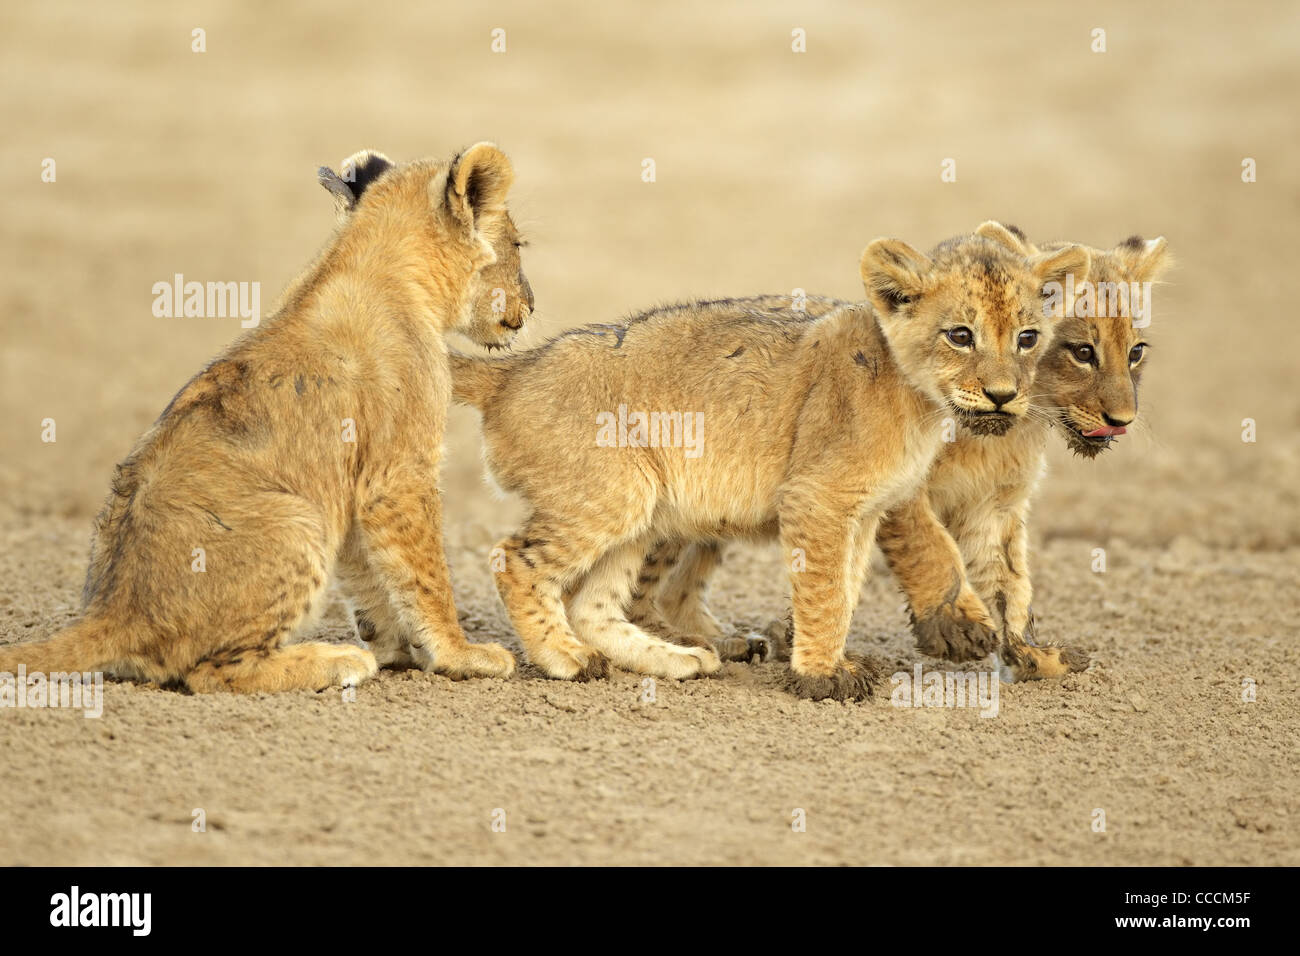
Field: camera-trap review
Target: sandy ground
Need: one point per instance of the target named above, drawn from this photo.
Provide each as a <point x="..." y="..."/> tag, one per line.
<point x="773" y="170"/>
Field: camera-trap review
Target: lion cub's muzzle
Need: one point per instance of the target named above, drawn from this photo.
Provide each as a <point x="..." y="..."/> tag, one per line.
<point x="986" y="423"/>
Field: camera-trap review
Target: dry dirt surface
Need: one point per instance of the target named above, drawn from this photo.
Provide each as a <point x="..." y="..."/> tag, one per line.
<point x="773" y="170"/>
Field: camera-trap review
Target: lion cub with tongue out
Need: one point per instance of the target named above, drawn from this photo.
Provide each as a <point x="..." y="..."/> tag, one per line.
<point x="963" y="540"/>
<point x="969" y="529"/>
<point x="812" y="431"/>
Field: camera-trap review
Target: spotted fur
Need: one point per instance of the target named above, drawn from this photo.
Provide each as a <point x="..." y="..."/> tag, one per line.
<point x="308" y="451"/>
<point x="820" y="426"/>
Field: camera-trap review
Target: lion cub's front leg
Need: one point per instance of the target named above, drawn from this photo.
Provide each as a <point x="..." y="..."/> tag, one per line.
<point x="826" y="546"/>
<point x="401" y="539"/>
<point x="998" y="564"/>
<point x="948" y="618"/>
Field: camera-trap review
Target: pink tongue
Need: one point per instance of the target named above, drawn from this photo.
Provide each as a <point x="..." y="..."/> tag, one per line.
<point x="1105" y="432"/>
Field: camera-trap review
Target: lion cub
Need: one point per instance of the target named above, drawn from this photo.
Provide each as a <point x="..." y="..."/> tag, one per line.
<point x="969" y="529"/>
<point x="308" y="450"/>
<point x="734" y="423"/>
<point x="963" y="541"/>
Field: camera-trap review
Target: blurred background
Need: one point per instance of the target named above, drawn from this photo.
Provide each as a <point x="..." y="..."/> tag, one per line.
<point x="773" y="170"/>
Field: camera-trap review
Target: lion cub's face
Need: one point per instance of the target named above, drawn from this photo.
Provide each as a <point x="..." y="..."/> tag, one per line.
<point x="503" y="299"/>
<point x="453" y="217"/>
<point x="1091" y="374"/>
<point x="1088" y="378"/>
<point x="967" y="323"/>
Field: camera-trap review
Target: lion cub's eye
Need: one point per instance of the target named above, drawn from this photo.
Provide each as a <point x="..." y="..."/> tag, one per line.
<point x="1136" y="352"/>
<point x="960" y="336"/>
<point x="1082" y="353"/>
<point x="1027" y="339"/>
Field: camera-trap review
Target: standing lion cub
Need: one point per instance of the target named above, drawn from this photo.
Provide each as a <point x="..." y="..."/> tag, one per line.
<point x="310" y="450"/>
<point x="730" y="422"/>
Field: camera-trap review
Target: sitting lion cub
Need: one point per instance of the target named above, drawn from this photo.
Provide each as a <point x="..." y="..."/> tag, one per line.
<point x="310" y="449"/>
<point x="734" y="423"/>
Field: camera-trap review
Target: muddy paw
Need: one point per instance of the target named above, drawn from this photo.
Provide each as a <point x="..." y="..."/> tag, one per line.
<point x="1050" y="661"/>
<point x="576" y="663"/>
<point x="944" y="633"/>
<point x="852" y="679"/>
<point x="780" y="637"/>
<point x="594" y="665"/>
<point x="744" y="648"/>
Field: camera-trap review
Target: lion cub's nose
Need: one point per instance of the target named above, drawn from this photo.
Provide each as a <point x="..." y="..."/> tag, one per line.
<point x="1000" y="398"/>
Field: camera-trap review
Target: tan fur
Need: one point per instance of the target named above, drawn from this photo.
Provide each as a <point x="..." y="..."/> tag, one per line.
<point x="963" y="542"/>
<point x="815" y="428"/>
<point x="250" y="461"/>
<point x="971" y="527"/>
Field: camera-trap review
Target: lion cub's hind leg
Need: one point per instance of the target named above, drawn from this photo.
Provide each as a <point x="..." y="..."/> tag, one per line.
<point x="265" y="668"/>
<point x="670" y="601"/>
<point x="538" y="562"/>
<point x="267" y="603"/>
<point x="683" y="599"/>
<point x="643" y="607"/>
<point x="683" y="590"/>
<point x="596" y="611"/>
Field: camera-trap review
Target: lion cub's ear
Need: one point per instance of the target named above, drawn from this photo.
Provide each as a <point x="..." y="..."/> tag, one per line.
<point x="1144" y="259"/>
<point x="359" y="171"/>
<point x="1053" y="271"/>
<point x="1009" y="236"/>
<point x="477" y="184"/>
<point x="895" y="274"/>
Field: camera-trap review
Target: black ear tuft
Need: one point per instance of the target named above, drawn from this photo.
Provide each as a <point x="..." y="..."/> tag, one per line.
<point x="1136" y="243"/>
<point x="1017" y="232"/>
<point x="363" y="168"/>
<point x="358" y="171"/>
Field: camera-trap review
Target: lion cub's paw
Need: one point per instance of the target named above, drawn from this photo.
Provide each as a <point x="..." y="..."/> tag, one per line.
<point x="852" y="679"/>
<point x="476" y="660"/>
<point x="391" y="654"/>
<point x="1049" y="661"/>
<point x="710" y="663"/>
<point x="679" y="663"/>
<point x="949" y="633"/>
<point x="350" y="665"/>
<point x="780" y="637"/>
<point x="576" y="663"/>
<point x="744" y="647"/>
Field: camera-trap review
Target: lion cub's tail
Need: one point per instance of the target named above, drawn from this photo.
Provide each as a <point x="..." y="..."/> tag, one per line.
<point x="82" y="647"/>
<point x="475" y="380"/>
